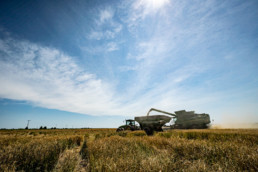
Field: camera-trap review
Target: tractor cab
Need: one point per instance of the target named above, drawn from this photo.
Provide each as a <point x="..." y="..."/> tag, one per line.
<point x="129" y="125"/>
<point x="130" y="122"/>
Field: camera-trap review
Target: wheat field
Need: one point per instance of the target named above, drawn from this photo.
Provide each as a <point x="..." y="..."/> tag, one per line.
<point x="107" y="150"/>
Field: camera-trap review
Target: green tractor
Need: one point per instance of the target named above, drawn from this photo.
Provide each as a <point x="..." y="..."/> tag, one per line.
<point x="129" y="125"/>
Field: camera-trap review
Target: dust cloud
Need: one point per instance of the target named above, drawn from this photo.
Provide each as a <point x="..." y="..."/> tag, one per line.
<point x="234" y="125"/>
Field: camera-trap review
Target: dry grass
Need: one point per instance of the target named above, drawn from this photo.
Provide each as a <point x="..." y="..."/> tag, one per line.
<point x="26" y="152"/>
<point x="106" y="150"/>
<point x="68" y="161"/>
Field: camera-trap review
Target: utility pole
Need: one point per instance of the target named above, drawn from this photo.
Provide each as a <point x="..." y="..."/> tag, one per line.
<point x="28" y="124"/>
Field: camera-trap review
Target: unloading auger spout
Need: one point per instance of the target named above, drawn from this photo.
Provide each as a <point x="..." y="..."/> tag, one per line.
<point x="161" y="111"/>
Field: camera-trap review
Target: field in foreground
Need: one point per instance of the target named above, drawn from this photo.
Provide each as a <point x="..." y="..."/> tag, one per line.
<point x="106" y="150"/>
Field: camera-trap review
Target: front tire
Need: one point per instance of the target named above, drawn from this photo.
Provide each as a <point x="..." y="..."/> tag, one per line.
<point x="119" y="129"/>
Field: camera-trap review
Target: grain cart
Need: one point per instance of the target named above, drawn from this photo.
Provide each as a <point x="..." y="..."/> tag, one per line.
<point x="182" y="120"/>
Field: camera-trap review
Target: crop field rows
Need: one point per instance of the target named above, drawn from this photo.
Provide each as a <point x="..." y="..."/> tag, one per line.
<point x="107" y="150"/>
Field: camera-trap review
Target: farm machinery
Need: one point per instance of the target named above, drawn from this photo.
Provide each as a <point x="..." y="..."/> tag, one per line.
<point x="129" y="125"/>
<point x="182" y="120"/>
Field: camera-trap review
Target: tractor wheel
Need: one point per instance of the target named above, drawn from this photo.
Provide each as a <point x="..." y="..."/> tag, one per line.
<point x="148" y="131"/>
<point x="119" y="129"/>
<point x="127" y="128"/>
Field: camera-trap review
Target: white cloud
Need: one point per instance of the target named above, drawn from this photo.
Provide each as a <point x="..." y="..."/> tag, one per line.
<point x="127" y="68"/>
<point x="155" y="49"/>
<point x="49" y="78"/>
<point x="112" y="33"/>
<point x="109" y="47"/>
<point x="105" y="15"/>
<point x="105" y="27"/>
<point x="137" y="11"/>
<point x="95" y="35"/>
<point x="46" y="77"/>
<point x="149" y="6"/>
<point x="165" y="50"/>
<point x="85" y="77"/>
<point x="112" y="46"/>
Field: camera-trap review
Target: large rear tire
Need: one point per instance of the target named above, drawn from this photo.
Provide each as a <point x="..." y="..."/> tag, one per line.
<point x="148" y="131"/>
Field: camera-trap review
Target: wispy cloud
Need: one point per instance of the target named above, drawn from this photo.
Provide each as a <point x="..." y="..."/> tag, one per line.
<point x="148" y="7"/>
<point x="136" y="12"/>
<point x="112" y="46"/>
<point x="105" y="20"/>
<point x="109" y="47"/>
<point x="105" y="16"/>
<point x="49" y="78"/>
<point x="166" y="54"/>
<point x="96" y="35"/>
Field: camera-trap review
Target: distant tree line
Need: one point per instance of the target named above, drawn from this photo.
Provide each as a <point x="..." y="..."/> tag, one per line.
<point x="41" y="127"/>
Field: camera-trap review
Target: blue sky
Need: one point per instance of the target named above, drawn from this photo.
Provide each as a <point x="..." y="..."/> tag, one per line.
<point x="95" y="63"/>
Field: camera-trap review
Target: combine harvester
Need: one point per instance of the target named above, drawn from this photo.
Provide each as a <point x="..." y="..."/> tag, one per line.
<point x="182" y="120"/>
